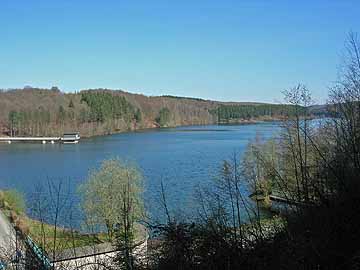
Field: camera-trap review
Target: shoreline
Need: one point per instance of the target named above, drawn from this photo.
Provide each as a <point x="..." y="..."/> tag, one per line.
<point x="151" y="129"/>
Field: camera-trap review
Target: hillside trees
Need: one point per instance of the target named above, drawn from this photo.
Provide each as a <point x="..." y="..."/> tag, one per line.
<point x="100" y="110"/>
<point x="42" y="112"/>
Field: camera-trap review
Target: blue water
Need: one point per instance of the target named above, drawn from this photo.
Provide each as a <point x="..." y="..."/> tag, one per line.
<point x="183" y="158"/>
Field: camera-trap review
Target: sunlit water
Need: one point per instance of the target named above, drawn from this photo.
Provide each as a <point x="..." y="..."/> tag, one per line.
<point x="183" y="158"/>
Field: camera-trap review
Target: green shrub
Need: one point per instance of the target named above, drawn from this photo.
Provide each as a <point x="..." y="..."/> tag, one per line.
<point x="2" y="199"/>
<point x="15" y="200"/>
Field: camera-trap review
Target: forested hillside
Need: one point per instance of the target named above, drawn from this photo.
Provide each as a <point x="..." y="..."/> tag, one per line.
<point x="40" y="112"/>
<point x="231" y="113"/>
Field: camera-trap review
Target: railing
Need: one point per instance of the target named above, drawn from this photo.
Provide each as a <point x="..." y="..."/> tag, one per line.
<point x="30" y="138"/>
<point x="41" y="256"/>
<point x="44" y="140"/>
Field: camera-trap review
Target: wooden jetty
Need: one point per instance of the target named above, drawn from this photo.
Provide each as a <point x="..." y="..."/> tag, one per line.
<point x="66" y="138"/>
<point x="279" y="199"/>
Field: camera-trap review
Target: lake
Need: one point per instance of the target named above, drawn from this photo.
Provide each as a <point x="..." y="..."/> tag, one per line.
<point x="183" y="158"/>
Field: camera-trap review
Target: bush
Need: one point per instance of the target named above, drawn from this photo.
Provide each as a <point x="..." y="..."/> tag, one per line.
<point x="15" y="200"/>
<point x="2" y="200"/>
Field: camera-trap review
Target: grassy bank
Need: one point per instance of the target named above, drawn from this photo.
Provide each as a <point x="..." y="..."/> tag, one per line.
<point x="47" y="236"/>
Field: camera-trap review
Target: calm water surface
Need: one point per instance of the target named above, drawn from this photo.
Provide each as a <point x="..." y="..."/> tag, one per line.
<point x="183" y="158"/>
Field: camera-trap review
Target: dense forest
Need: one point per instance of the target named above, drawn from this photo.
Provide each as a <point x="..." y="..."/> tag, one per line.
<point x="229" y="113"/>
<point x="41" y="112"/>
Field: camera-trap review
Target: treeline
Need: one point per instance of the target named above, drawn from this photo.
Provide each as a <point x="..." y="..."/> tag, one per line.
<point x="228" y="113"/>
<point x="101" y="108"/>
<point x="179" y="97"/>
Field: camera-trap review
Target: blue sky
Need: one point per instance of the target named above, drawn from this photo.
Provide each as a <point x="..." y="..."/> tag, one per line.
<point x="223" y="50"/>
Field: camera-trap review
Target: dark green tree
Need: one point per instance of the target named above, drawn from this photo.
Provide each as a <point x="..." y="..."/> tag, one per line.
<point x="164" y="117"/>
<point x="138" y="116"/>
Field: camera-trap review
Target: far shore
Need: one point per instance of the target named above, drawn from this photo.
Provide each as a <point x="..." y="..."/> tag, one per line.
<point x="154" y="128"/>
